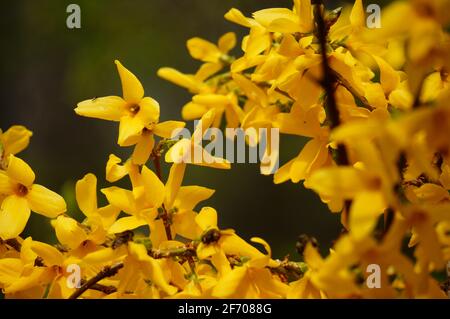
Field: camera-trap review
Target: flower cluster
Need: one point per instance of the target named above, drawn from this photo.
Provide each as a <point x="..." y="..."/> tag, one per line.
<point x="374" y="106"/>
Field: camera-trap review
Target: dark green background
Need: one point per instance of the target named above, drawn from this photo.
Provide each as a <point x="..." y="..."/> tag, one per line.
<point x="47" y="68"/>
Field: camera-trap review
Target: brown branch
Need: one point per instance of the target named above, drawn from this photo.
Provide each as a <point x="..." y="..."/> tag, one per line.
<point x="13" y="243"/>
<point x="187" y="251"/>
<point x="329" y="82"/>
<point x="165" y="215"/>
<point x="102" y="288"/>
<point x="108" y="271"/>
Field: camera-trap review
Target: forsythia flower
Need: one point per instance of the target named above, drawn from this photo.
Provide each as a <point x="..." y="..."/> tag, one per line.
<point x="138" y="115"/>
<point x="21" y="195"/>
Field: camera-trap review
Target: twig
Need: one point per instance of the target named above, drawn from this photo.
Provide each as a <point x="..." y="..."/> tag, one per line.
<point x="13" y="243"/>
<point x="108" y="271"/>
<point x="328" y="83"/>
<point x="165" y="215"/>
<point x="186" y="251"/>
<point x="102" y="288"/>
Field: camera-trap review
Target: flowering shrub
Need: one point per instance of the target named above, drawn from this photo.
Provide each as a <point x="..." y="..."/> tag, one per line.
<point x="374" y="105"/>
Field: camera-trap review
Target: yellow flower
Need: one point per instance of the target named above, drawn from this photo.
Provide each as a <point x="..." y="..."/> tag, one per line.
<point x="138" y="115"/>
<point x="206" y="51"/>
<point x="98" y="220"/>
<point x="21" y="196"/>
<point x="13" y="141"/>
<point x="304" y="287"/>
<point x="140" y="267"/>
<point x="252" y="279"/>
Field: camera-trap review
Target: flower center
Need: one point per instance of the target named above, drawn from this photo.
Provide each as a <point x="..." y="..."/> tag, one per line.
<point x="21" y="190"/>
<point x="134" y="109"/>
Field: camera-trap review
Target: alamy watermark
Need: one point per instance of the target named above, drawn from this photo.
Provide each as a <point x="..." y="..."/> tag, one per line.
<point x="262" y="145"/>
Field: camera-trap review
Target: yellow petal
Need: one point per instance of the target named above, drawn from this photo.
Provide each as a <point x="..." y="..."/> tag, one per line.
<point x="180" y="79"/>
<point x="189" y="196"/>
<point x="283" y="173"/>
<point x="68" y="232"/>
<point x="126" y="223"/>
<point x="305" y="160"/>
<point x="151" y="268"/>
<point x="109" y="108"/>
<point x="86" y="194"/>
<point x="173" y="183"/>
<point x="366" y="208"/>
<point x="234" y="283"/>
<point x="236" y="16"/>
<point x="108" y="215"/>
<point x="131" y="87"/>
<point x="305" y="14"/>
<point x="193" y="111"/>
<point x="227" y="42"/>
<point x="185" y="225"/>
<point x="207" y="218"/>
<point x="120" y="198"/>
<point x="45" y="202"/>
<point x="114" y="171"/>
<point x="10" y="270"/>
<point x="389" y="78"/>
<point x="357" y="15"/>
<point x="20" y="171"/>
<point x="49" y="254"/>
<point x="166" y="129"/>
<point x="143" y="148"/>
<point x="341" y="182"/>
<point x="130" y="129"/>
<point x="154" y="188"/>
<point x="203" y="50"/>
<point x="15" y="139"/>
<point x="205" y="251"/>
<point x="6" y="185"/>
<point x="149" y="110"/>
<point x="14" y="214"/>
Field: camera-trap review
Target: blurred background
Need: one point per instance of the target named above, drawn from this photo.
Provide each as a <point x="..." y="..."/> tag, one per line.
<point x="47" y="68"/>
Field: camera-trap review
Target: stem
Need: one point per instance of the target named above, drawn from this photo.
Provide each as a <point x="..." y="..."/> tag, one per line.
<point x="177" y="252"/>
<point x="108" y="271"/>
<point x="102" y="288"/>
<point x="329" y="83"/>
<point x="165" y="214"/>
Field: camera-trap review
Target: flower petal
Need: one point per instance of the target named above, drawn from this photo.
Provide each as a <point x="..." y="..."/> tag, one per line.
<point x="6" y="186"/>
<point x="68" y="232"/>
<point x="108" y="108"/>
<point x="189" y="196"/>
<point x="174" y="182"/>
<point x="167" y="128"/>
<point x="86" y="194"/>
<point x="126" y="223"/>
<point x="154" y="188"/>
<point x="120" y="198"/>
<point x="15" y="139"/>
<point x="14" y="214"/>
<point x="45" y="202"/>
<point x="131" y="87"/>
<point x="20" y="171"/>
<point x="207" y="218"/>
<point x="143" y="148"/>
